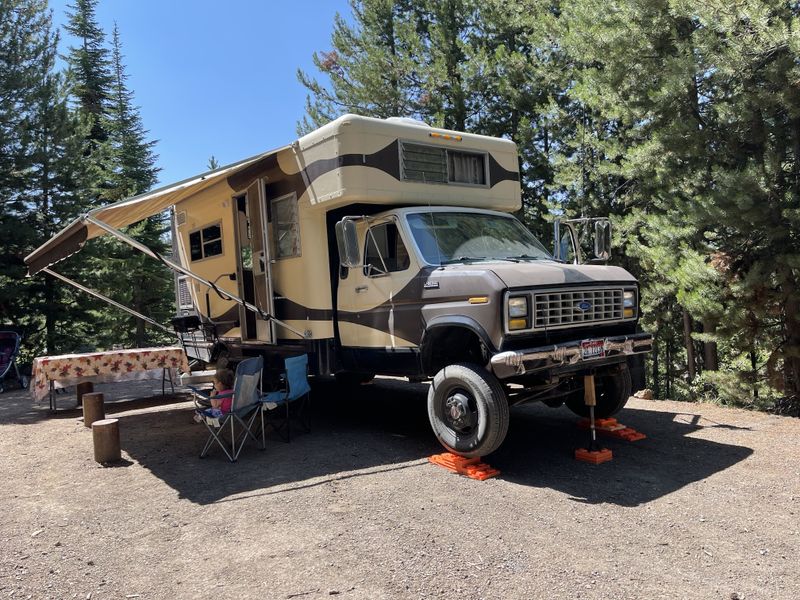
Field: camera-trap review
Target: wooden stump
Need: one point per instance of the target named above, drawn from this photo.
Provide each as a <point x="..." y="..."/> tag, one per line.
<point x="86" y="387"/>
<point x="93" y="409"/>
<point x="105" y="434"/>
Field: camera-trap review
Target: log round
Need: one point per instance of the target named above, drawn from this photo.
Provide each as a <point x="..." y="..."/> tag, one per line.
<point x="85" y="387"/>
<point x="93" y="408"/>
<point x="105" y="434"/>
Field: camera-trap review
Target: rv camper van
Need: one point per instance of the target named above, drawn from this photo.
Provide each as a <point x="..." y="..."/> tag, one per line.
<point x="390" y="247"/>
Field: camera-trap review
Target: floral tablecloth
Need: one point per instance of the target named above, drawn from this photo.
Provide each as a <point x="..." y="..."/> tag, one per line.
<point x="115" y="365"/>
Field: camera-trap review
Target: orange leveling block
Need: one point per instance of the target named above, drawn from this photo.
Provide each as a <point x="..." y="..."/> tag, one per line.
<point x="594" y="454"/>
<point x="615" y="429"/>
<point x="471" y="467"/>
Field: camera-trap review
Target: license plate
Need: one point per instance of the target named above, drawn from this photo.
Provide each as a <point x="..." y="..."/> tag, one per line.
<point x="592" y="349"/>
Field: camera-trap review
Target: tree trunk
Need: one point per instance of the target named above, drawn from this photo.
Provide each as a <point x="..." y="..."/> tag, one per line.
<point x="792" y="326"/>
<point x="687" y="340"/>
<point x="668" y="369"/>
<point x="710" y="348"/>
<point x="656" y="379"/>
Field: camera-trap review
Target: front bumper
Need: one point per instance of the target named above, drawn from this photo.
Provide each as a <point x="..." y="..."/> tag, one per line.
<point x="568" y="356"/>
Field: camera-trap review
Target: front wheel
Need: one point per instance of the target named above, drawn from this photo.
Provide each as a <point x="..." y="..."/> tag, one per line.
<point x="611" y="392"/>
<point x="468" y="410"/>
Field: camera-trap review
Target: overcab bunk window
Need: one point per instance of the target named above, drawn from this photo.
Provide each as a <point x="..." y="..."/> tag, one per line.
<point x="433" y="164"/>
<point x="206" y="242"/>
<point x="285" y="226"/>
<point x="385" y="251"/>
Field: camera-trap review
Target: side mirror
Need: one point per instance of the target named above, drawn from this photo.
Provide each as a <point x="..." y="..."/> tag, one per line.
<point x="565" y="244"/>
<point x="347" y="242"/>
<point x="602" y="239"/>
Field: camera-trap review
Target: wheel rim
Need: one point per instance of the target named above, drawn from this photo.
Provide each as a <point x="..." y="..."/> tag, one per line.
<point x="460" y="412"/>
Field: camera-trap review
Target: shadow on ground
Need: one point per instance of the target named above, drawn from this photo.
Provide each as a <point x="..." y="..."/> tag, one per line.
<point x="384" y="426"/>
<point x="538" y="452"/>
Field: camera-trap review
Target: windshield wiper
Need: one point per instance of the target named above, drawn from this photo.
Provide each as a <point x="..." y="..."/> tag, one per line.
<point x="461" y="259"/>
<point x="524" y="257"/>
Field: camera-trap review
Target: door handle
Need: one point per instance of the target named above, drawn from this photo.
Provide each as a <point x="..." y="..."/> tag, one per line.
<point x="361" y="288"/>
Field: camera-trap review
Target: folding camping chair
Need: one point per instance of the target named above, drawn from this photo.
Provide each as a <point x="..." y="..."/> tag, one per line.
<point x="295" y="387"/>
<point x="244" y="409"/>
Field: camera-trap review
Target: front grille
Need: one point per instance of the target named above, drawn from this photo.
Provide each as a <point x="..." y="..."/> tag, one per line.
<point x="562" y="308"/>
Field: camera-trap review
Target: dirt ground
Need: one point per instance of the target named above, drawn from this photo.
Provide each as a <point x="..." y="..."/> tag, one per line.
<point x="706" y="507"/>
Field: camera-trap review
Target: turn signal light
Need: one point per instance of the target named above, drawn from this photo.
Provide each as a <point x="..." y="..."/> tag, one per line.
<point x="627" y="313"/>
<point x="517" y="323"/>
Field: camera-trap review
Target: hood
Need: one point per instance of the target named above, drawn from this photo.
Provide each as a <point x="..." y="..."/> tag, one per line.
<point x="549" y="273"/>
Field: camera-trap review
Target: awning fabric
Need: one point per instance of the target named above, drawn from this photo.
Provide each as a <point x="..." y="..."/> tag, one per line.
<point x="126" y="212"/>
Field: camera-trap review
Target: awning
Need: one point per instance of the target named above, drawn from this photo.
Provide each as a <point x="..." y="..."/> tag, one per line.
<point x="126" y="212"/>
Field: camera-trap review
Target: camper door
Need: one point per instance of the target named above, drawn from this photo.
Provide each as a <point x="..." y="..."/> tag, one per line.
<point x="255" y="280"/>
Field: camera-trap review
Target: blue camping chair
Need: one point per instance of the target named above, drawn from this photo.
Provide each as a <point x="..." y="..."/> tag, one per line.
<point x="295" y="387"/>
<point x="242" y="416"/>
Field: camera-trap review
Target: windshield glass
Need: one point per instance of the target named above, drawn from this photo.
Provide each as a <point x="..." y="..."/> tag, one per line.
<point x="446" y="237"/>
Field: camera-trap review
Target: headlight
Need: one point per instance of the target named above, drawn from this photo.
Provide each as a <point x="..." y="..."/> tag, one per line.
<point x="629" y="304"/>
<point x="517" y="313"/>
<point x="517" y="307"/>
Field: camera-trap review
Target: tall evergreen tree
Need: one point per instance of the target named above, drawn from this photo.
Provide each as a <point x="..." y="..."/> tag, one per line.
<point x="713" y="146"/>
<point x="130" y="277"/>
<point x="90" y="64"/>
<point x="42" y="146"/>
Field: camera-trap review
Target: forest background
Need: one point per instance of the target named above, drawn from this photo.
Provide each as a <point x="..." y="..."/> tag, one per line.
<point x="679" y="119"/>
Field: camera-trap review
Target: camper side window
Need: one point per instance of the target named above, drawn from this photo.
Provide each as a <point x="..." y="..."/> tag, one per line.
<point x="385" y="251"/>
<point x="206" y="242"/>
<point x="285" y="227"/>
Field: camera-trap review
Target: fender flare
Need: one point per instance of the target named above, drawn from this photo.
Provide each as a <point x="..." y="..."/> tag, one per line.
<point x="456" y="321"/>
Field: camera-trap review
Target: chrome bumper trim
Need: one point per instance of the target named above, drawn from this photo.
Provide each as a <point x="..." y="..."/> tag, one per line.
<point x="522" y="362"/>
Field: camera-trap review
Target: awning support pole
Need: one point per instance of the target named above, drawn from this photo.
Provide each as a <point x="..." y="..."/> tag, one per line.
<point x="184" y="271"/>
<point x="91" y="292"/>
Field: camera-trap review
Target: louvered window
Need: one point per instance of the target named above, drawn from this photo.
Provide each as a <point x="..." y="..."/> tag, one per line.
<point x="433" y="164"/>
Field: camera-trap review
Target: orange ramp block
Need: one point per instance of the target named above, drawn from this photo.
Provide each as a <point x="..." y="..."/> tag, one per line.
<point x="612" y="428"/>
<point x="594" y="457"/>
<point x="471" y="467"/>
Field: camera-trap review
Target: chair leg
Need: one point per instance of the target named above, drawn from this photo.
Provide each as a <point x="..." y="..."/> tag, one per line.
<point x="288" y="425"/>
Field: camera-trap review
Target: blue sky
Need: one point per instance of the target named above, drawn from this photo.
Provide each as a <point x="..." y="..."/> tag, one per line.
<point x="215" y="77"/>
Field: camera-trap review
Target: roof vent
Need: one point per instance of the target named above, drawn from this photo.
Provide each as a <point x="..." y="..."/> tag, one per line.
<point x="180" y="218"/>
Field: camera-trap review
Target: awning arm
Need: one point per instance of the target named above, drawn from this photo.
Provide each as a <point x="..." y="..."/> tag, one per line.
<point x="184" y="271"/>
<point x="92" y="292"/>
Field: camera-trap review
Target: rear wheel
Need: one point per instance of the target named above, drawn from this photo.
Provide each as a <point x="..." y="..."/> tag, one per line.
<point x="468" y="410"/>
<point x="611" y="391"/>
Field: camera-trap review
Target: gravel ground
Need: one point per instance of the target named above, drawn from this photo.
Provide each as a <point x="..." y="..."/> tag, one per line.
<point x="706" y="507"/>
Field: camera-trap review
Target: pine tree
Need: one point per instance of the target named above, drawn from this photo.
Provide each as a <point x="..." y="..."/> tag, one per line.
<point x="42" y="145"/>
<point x="712" y="144"/>
<point x="90" y="64"/>
<point x="127" y="275"/>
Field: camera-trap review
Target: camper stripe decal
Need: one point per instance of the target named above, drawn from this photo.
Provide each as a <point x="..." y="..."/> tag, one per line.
<point x="387" y="160"/>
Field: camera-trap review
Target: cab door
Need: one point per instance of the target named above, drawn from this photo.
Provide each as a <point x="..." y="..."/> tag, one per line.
<point x="378" y="304"/>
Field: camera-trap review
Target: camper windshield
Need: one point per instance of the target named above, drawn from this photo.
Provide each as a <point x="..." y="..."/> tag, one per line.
<point x="450" y="237"/>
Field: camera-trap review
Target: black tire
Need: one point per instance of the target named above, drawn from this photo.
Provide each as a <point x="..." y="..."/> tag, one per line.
<point x="475" y="394"/>
<point x="350" y="379"/>
<point x="23" y="382"/>
<point x="611" y="391"/>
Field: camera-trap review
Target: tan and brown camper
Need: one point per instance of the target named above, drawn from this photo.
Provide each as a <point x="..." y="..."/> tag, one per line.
<point x="388" y="247"/>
